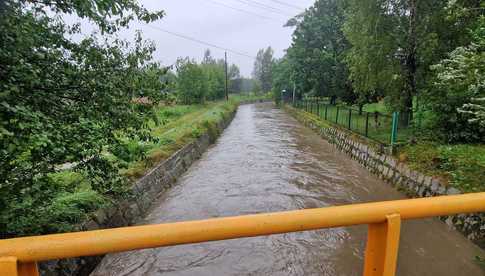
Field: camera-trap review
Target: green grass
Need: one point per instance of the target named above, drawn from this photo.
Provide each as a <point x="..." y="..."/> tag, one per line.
<point x="249" y="97"/>
<point x="179" y="125"/>
<point x="461" y="166"/>
<point x="379" y="128"/>
<point x="379" y="107"/>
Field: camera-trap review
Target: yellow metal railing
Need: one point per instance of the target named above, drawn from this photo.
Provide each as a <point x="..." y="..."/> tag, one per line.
<point x="19" y="256"/>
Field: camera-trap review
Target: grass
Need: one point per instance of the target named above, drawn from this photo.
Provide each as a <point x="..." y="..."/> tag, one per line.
<point x="249" y="97"/>
<point x="179" y="126"/>
<point x="379" y="128"/>
<point x="461" y="166"/>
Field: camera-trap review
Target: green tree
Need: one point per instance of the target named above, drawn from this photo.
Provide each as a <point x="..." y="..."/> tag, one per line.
<point x="262" y="70"/>
<point x="393" y="44"/>
<point x="65" y="103"/>
<point x="318" y="49"/>
<point x="192" y="82"/>
<point x="214" y="70"/>
<point x="455" y="102"/>
<point x="282" y="78"/>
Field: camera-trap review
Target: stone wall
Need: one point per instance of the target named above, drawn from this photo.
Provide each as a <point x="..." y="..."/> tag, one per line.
<point x="414" y="184"/>
<point x="144" y="192"/>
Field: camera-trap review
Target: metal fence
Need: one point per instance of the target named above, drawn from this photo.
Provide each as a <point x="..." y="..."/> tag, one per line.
<point x="373" y="125"/>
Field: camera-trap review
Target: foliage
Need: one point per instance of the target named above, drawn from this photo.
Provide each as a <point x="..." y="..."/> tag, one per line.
<point x="109" y="15"/>
<point x="242" y="85"/>
<point x="192" y="82"/>
<point x="454" y="100"/>
<point x="263" y="66"/>
<point x="282" y="78"/>
<point x="317" y="52"/>
<point x="205" y="81"/>
<point x="364" y="51"/>
<point x="182" y="124"/>
<point x="462" y="166"/>
<point x="62" y="105"/>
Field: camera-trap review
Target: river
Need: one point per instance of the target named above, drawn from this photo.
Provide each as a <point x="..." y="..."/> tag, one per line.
<point x="265" y="161"/>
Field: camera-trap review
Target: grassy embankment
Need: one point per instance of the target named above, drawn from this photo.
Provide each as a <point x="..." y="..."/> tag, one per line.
<point x="180" y="126"/>
<point x="459" y="165"/>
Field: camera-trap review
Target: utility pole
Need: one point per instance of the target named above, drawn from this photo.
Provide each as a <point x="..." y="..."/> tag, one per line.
<point x="294" y="91"/>
<point x="225" y="67"/>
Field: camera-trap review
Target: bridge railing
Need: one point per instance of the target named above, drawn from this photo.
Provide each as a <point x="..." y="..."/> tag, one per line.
<point x="19" y="256"/>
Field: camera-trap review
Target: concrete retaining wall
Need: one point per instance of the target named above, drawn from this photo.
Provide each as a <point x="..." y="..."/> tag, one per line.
<point x="389" y="169"/>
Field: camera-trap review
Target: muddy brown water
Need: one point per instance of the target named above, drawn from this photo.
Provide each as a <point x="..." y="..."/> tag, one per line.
<point x="265" y="161"/>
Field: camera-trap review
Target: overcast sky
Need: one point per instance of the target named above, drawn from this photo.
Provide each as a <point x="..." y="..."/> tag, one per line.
<point x="212" y="21"/>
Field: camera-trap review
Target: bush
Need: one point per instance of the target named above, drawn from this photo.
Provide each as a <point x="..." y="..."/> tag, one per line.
<point x="459" y="80"/>
<point x="192" y="85"/>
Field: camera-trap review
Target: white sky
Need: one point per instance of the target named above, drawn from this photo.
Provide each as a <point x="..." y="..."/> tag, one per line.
<point x="210" y="22"/>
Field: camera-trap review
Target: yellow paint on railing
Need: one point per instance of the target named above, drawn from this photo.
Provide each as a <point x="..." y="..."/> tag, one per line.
<point x="379" y="215"/>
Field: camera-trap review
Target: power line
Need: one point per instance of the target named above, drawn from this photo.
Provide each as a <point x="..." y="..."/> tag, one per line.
<point x="241" y="10"/>
<point x="201" y="42"/>
<point x="264" y="7"/>
<point x="286" y="4"/>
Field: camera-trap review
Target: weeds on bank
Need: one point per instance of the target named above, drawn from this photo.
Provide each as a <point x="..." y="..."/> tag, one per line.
<point x="461" y="166"/>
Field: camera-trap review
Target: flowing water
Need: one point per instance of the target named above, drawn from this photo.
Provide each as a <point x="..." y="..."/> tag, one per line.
<point x="265" y="161"/>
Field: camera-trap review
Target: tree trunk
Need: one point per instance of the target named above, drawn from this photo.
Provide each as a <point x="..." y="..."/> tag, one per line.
<point x="411" y="67"/>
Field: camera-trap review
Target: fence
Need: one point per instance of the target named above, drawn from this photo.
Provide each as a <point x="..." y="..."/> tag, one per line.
<point x="374" y="125"/>
<point x="19" y="256"/>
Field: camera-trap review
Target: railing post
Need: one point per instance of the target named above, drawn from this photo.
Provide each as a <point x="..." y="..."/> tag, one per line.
<point x="336" y="116"/>
<point x="326" y="109"/>
<point x="350" y="118"/>
<point x="8" y="266"/>
<point x="367" y="124"/>
<point x="28" y="269"/>
<point x="11" y="267"/>
<point x="382" y="247"/>
<point x="395" y="118"/>
<point x="318" y="109"/>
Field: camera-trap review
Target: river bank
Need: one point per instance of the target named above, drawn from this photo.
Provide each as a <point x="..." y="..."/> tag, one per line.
<point x="390" y="169"/>
<point x="266" y="161"/>
<point x="182" y="140"/>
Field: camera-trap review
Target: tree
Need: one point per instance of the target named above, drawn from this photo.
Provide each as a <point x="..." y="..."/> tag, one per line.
<point x="318" y="49"/>
<point x="282" y="78"/>
<point x="192" y="82"/>
<point x="208" y="59"/>
<point x="233" y="72"/>
<point x="67" y="103"/>
<point x="263" y="68"/>
<point x="393" y="44"/>
<point x="455" y="101"/>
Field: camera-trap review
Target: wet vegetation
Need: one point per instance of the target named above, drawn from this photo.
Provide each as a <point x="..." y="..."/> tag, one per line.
<point x="82" y="119"/>
<point x="423" y="59"/>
